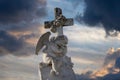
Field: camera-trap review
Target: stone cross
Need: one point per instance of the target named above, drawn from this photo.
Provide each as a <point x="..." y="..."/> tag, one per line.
<point x="60" y="21"/>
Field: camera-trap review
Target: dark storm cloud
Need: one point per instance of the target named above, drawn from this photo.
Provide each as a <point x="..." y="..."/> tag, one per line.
<point x="21" y="10"/>
<point x="9" y="42"/>
<point x="19" y="16"/>
<point x="106" y="12"/>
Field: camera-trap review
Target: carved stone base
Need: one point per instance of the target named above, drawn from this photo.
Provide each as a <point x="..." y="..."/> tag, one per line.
<point x="65" y="73"/>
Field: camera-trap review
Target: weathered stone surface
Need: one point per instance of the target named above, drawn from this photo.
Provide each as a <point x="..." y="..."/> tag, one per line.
<point x="65" y="73"/>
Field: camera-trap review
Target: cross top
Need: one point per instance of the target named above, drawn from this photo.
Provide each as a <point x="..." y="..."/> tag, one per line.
<point x="59" y="22"/>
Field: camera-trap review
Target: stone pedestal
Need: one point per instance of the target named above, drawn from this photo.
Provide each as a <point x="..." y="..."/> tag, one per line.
<point x="66" y="73"/>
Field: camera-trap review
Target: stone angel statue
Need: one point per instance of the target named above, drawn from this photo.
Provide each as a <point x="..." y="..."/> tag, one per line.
<point x="56" y="65"/>
<point x="55" y="48"/>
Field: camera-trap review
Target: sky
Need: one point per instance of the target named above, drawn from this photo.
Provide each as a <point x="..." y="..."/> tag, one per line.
<point x="91" y="39"/>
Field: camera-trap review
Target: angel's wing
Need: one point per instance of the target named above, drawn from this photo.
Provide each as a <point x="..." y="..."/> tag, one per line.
<point x="44" y="39"/>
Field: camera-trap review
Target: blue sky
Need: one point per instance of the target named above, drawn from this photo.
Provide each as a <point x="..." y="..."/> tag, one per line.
<point x="87" y="45"/>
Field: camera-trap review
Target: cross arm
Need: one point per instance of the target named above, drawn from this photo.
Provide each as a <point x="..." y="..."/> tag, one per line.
<point x="48" y="24"/>
<point x="69" y="22"/>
